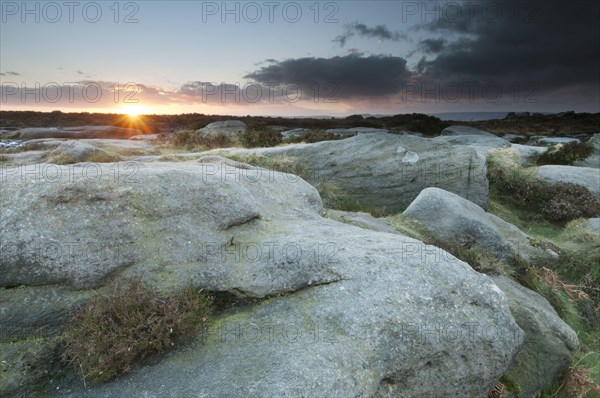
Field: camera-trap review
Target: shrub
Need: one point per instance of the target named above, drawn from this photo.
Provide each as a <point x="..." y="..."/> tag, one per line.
<point x="566" y="201"/>
<point x="556" y="202"/>
<point x="260" y="138"/>
<point x="191" y="140"/>
<point x="112" y="331"/>
<point x="566" y="154"/>
<point x="315" y="136"/>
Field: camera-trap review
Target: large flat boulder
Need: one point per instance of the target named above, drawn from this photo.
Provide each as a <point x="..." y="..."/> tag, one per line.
<point x="229" y="128"/>
<point x="458" y="130"/>
<point x="550" y="344"/>
<point x="453" y="219"/>
<point x="416" y="326"/>
<point x="78" y="132"/>
<point x="588" y="177"/>
<point x="384" y="172"/>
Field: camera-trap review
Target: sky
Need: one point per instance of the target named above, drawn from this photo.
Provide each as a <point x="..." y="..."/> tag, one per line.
<point x="302" y="58"/>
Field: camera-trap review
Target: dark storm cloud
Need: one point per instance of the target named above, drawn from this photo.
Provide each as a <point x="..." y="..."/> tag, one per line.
<point x="432" y="45"/>
<point x="550" y="44"/>
<point x="380" y="32"/>
<point x="350" y="76"/>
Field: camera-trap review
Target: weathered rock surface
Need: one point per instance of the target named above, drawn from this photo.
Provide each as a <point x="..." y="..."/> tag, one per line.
<point x="588" y="177"/>
<point x="356" y="130"/>
<point x="594" y="159"/>
<point x="489" y="141"/>
<point x="253" y="232"/>
<point x="362" y="220"/>
<point x="466" y="130"/>
<point x="294" y="133"/>
<point x="550" y="343"/>
<point x="556" y="140"/>
<point x="528" y="155"/>
<point x="228" y="128"/>
<point x="78" y="132"/>
<point x="451" y="218"/>
<point x="593" y="224"/>
<point x="384" y="172"/>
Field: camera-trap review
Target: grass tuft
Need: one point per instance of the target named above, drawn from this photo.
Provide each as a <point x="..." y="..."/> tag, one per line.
<point x="128" y="323"/>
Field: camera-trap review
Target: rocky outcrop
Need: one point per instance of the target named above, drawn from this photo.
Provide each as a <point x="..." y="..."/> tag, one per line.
<point x="594" y="159"/>
<point x="465" y="130"/>
<point x="453" y="219"/>
<point x="229" y="128"/>
<point x="356" y="131"/>
<point x="550" y="343"/>
<point x="588" y="177"/>
<point x="78" y="132"/>
<point x="528" y="155"/>
<point x="415" y="327"/>
<point x="383" y="172"/>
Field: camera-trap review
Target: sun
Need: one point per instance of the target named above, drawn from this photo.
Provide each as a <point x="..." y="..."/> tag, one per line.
<point x="134" y="111"/>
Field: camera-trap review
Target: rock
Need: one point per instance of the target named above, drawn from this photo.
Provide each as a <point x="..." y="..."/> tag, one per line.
<point x="123" y="147"/>
<point x="556" y="140"/>
<point x="481" y="141"/>
<point x="550" y="343"/>
<point x="313" y="344"/>
<point x="453" y="219"/>
<point x="31" y="323"/>
<point x="294" y="133"/>
<point x="77" y="151"/>
<point x="383" y="172"/>
<point x="5" y="144"/>
<point x="594" y="159"/>
<point x="356" y="131"/>
<point x="230" y="128"/>
<point x="593" y="224"/>
<point x="489" y="141"/>
<point x="466" y="130"/>
<point x="528" y="155"/>
<point x="256" y="233"/>
<point x="588" y="177"/>
<point x="144" y="137"/>
<point x="78" y="132"/>
<point x="362" y="220"/>
<point x="515" y="138"/>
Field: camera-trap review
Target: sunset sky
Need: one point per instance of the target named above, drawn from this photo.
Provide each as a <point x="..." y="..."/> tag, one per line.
<point x="300" y="58"/>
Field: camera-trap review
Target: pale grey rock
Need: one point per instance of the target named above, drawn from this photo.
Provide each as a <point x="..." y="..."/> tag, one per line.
<point x="294" y="133"/>
<point x="594" y="159"/>
<point x="229" y="128"/>
<point x="78" y="132"/>
<point x="556" y="140"/>
<point x="370" y="172"/>
<point x="362" y="220"/>
<point x="453" y="219"/>
<point x="588" y="177"/>
<point x="356" y="130"/>
<point x="550" y="344"/>
<point x="466" y="130"/>
<point x="489" y="141"/>
<point x="256" y="233"/>
<point x="593" y="224"/>
<point x="528" y="155"/>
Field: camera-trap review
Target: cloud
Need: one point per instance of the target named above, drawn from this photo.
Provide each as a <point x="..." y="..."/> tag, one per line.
<point x="353" y="75"/>
<point x="10" y="74"/>
<point x="380" y="32"/>
<point x="432" y="45"/>
<point x="549" y="45"/>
